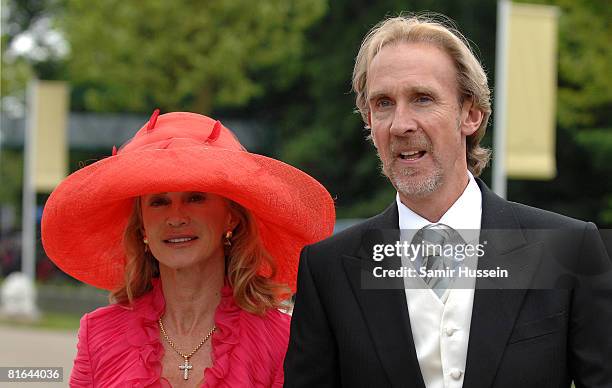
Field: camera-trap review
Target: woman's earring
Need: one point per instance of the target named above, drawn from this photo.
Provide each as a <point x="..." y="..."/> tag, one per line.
<point x="228" y="236"/>
<point x="146" y="243"/>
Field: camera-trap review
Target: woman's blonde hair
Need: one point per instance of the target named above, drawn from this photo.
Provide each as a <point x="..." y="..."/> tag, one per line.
<point x="471" y="77"/>
<point x="249" y="267"/>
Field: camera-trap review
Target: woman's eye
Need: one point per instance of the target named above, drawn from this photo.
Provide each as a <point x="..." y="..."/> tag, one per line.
<point x="155" y="202"/>
<point x="197" y="197"/>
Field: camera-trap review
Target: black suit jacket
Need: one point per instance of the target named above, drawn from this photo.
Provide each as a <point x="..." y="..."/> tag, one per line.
<point x="345" y="336"/>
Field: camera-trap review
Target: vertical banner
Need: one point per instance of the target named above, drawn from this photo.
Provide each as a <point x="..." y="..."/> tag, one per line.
<point x="531" y="91"/>
<point x="45" y="157"/>
<point x="49" y="122"/>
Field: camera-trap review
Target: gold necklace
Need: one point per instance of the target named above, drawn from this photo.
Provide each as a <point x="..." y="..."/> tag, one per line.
<point x="186" y="367"/>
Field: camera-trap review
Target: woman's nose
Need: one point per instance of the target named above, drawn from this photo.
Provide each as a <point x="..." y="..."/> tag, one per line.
<point x="177" y="217"/>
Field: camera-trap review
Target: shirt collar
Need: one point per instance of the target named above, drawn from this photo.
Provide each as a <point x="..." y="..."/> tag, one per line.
<point x="464" y="214"/>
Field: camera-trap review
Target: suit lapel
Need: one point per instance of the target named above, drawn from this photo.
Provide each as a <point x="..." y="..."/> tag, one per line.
<point x="497" y="301"/>
<point x="385" y="310"/>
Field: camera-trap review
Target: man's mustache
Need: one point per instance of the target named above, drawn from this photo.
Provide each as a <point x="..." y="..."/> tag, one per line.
<point x="420" y="142"/>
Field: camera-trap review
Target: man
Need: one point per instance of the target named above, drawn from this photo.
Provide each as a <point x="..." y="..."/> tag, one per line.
<point x="425" y="98"/>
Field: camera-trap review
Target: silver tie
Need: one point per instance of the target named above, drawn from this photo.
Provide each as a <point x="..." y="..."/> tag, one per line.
<point x="434" y="254"/>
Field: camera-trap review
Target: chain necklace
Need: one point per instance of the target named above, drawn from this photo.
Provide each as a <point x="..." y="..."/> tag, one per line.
<point x="186" y="367"/>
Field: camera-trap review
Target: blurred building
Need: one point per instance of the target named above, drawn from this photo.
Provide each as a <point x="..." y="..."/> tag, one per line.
<point x="101" y="131"/>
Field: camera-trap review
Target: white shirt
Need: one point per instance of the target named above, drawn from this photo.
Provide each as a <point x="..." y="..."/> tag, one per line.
<point x="441" y="326"/>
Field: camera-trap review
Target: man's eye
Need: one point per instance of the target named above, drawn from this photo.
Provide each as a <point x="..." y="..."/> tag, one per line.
<point x="383" y="103"/>
<point x="423" y="99"/>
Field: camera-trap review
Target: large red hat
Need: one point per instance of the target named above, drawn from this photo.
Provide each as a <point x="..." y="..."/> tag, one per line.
<point x="85" y="217"/>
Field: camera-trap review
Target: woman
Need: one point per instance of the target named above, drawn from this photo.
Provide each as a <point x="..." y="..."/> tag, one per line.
<point x="198" y="240"/>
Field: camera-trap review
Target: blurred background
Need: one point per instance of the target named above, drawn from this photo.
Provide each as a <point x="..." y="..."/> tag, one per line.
<point x="278" y="73"/>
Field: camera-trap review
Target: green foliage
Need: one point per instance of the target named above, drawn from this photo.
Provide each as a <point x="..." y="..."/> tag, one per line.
<point x="11" y="173"/>
<point x="606" y="214"/>
<point x="184" y="55"/>
<point x="17" y="70"/>
<point x="585" y="92"/>
<point x="585" y="85"/>
<point x="15" y="73"/>
<point x="598" y="143"/>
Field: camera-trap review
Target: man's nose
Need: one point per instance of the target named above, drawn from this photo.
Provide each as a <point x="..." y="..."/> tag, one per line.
<point x="403" y="120"/>
<point x="177" y="216"/>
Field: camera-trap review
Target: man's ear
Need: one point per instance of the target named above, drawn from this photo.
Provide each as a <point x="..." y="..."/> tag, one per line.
<point x="370" y="136"/>
<point x="471" y="117"/>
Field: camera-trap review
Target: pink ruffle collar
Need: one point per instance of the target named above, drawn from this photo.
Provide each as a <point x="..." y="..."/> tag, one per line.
<point x="143" y="335"/>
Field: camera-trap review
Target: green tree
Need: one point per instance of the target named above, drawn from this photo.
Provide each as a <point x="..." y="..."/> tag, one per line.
<point x="183" y="55"/>
<point x="34" y="19"/>
<point x="11" y="172"/>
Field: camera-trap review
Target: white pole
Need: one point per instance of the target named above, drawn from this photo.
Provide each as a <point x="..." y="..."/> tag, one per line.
<point x="28" y="235"/>
<point x="501" y="90"/>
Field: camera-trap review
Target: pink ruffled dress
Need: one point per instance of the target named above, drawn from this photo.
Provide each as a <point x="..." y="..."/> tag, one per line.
<point x="120" y="347"/>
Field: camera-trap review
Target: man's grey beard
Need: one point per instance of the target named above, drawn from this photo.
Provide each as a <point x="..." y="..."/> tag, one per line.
<point x="412" y="187"/>
<point x="416" y="187"/>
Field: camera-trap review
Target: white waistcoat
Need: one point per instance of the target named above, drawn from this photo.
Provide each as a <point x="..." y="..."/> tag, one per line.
<point x="441" y="326"/>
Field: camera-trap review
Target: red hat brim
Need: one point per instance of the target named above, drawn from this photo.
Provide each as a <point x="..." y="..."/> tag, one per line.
<point x="85" y="217"/>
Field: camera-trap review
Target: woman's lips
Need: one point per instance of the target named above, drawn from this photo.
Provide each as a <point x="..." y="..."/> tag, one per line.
<point x="180" y="241"/>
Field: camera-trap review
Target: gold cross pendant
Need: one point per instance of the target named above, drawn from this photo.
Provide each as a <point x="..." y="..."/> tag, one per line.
<point x="185" y="368"/>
